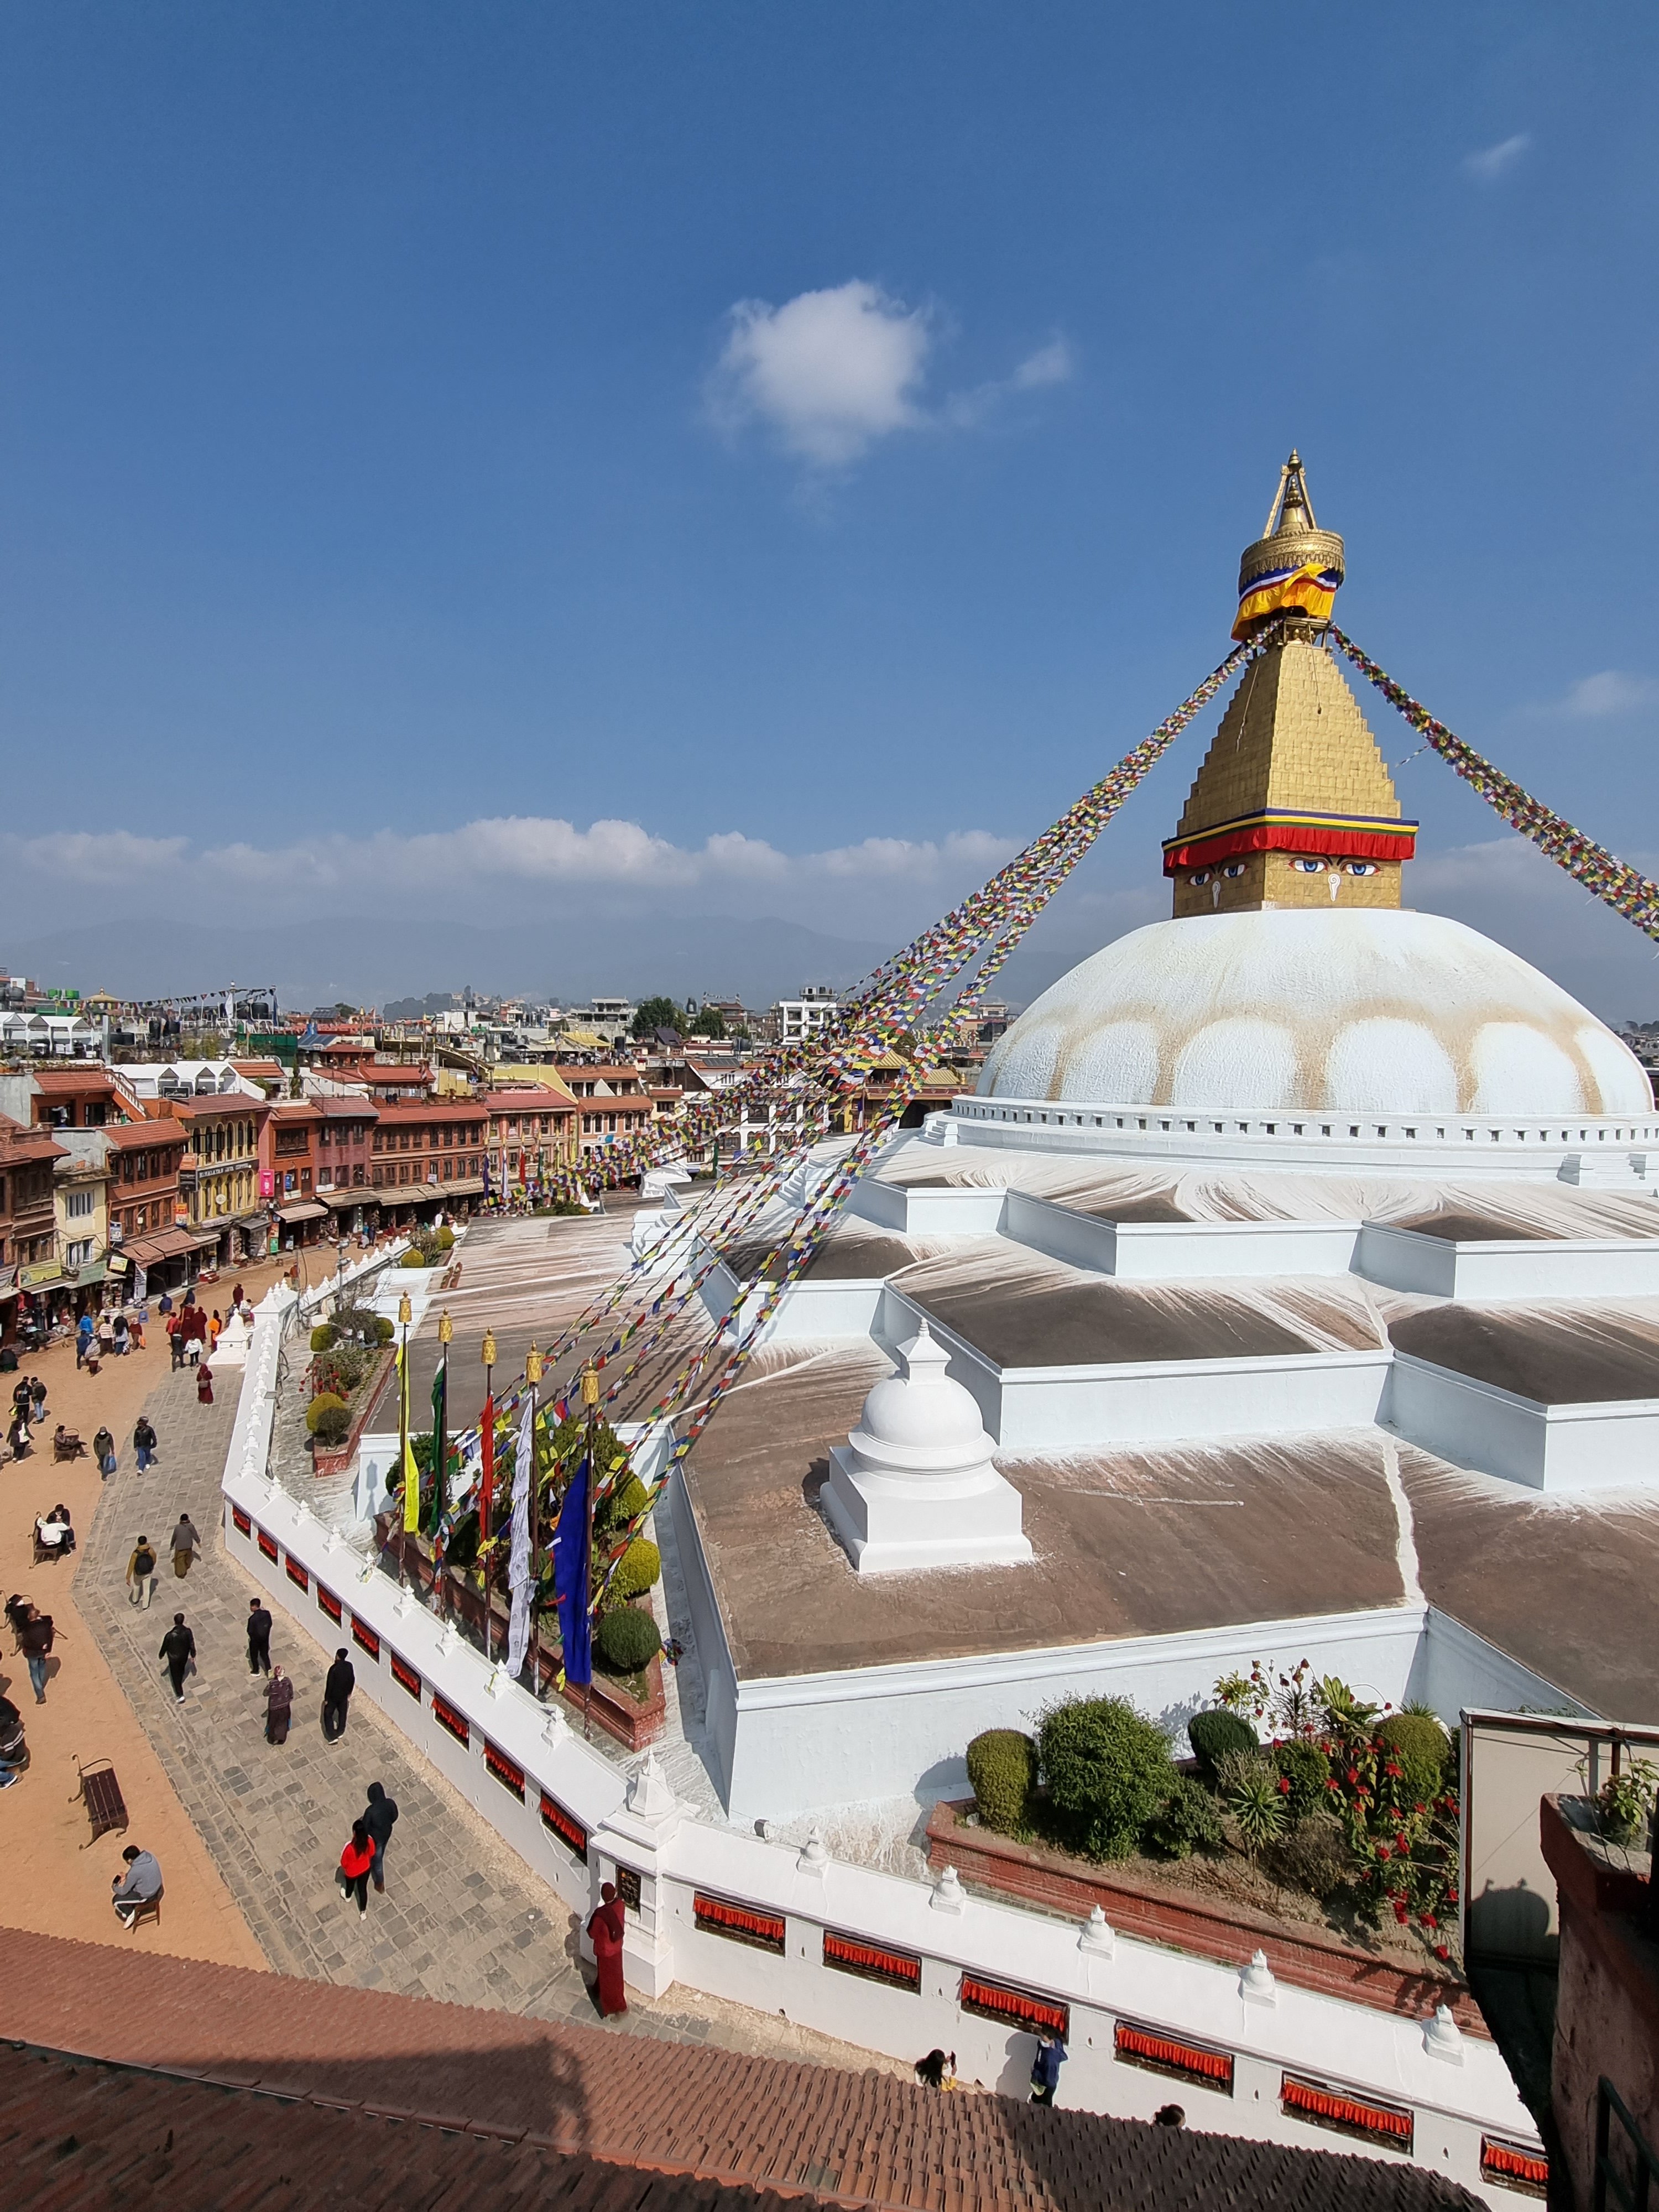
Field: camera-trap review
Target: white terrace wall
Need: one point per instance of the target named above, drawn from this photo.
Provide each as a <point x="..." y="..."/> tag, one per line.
<point x="761" y="1924"/>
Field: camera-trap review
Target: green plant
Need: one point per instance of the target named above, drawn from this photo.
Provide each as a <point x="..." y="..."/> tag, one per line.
<point x="1186" y="1822"/>
<point x="327" y="1419"/>
<point x="1251" y="1792"/>
<point x="385" y="1330"/>
<point x="628" y="1639"/>
<point x="444" y="1238"/>
<point x="1624" y="1803"/>
<point x="1304" y="1774"/>
<point x="413" y="1258"/>
<point x="1002" y="1765"/>
<point x="1214" y="1733"/>
<point x="1314" y="1856"/>
<point x="638" y="1569"/>
<point x="1108" y="1769"/>
<point x="324" y="1337"/>
<point x="1412" y="1748"/>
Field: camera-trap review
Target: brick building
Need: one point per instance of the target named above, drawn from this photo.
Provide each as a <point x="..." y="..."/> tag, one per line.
<point x="426" y="1157"/>
<point x="614" y="1105"/>
<point x="531" y="1128"/>
<point x="146" y="1217"/>
<point x="28" y="1242"/>
<point x="289" y="1153"/>
<point x="344" y="1160"/>
<point x="219" y="1177"/>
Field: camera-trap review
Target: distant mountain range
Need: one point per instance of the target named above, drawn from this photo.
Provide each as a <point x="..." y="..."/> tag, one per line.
<point x="367" y="960"/>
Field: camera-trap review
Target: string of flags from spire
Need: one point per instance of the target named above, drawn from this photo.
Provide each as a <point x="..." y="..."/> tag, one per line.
<point x="640" y="1316"/>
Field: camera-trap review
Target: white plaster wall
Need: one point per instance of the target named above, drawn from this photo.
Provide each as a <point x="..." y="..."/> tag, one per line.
<point x="1612" y="1267"/>
<point x="1401" y="1260"/>
<point x="1608" y="1446"/>
<point x="808" y="1741"/>
<point x="813" y="1309"/>
<point x="1460" y="1671"/>
<point x="1173" y="1251"/>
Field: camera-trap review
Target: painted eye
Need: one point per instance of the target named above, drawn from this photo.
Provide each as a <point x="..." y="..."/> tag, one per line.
<point x="1199" y="877"/>
<point x="1311" y="867"/>
<point x="1362" y="868"/>
<point x="1234" y="868"/>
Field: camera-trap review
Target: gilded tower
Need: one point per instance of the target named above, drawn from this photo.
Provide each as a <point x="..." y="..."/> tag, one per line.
<point x="1293" y="805"/>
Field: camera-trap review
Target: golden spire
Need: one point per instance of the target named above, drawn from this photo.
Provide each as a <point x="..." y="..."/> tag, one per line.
<point x="1294" y="566"/>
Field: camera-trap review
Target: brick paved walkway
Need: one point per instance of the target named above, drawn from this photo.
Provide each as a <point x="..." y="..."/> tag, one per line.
<point x="462" y="1919"/>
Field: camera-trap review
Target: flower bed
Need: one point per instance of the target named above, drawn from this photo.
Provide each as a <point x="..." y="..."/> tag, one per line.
<point x="1169" y="1907"/>
<point x="336" y="1459"/>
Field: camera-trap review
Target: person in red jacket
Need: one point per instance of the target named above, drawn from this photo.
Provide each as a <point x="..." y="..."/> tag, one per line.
<point x="356" y="1861"/>
<point x="607" y="1926"/>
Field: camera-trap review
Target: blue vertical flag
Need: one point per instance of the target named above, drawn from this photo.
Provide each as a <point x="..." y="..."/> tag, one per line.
<point x="570" y="1564"/>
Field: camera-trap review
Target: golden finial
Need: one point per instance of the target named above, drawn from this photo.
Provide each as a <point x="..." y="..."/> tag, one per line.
<point x="1294" y="566"/>
<point x="445" y="1328"/>
<point x="532" y="1366"/>
<point x="590" y="1386"/>
<point x="487" y="1349"/>
<point x="405" y="1311"/>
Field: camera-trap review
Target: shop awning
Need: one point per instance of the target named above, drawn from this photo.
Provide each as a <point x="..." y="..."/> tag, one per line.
<point x="8" y="1282"/>
<point x="342" y="1201"/>
<point x="307" y="1209"/>
<point x="468" y="1187"/>
<point x="93" y="1271"/>
<point x="47" y="1275"/>
<point x="168" y="1244"/>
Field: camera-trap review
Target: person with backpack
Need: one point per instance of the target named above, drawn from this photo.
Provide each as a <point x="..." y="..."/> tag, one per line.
<point x="82" y="1339"/>
<point x="179" y="1650"/>
<point x="143" y="1442"/>
<point x="141" y="1575"/>
<point x="103" y="1450"/>
<point x="379" y="1818"/>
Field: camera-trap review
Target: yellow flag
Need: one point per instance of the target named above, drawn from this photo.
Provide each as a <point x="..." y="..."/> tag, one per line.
<point x="412" y="1472"/>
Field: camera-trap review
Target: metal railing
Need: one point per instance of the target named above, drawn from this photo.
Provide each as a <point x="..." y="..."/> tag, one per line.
<point x="1638" y="2194"/>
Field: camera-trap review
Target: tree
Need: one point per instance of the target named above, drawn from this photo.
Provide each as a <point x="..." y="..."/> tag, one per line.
<point x="657" y="1013"/>
<point x="710" y="1023"/>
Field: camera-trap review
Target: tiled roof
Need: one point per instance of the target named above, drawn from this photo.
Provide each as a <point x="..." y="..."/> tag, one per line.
<point x="550" y="2113"/>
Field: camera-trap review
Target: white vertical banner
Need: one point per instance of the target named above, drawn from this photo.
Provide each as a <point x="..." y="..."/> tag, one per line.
<point x="518" y="1560"/>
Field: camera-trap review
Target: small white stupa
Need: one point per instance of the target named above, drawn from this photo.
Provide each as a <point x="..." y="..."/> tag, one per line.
<point x="913" y="1486"/>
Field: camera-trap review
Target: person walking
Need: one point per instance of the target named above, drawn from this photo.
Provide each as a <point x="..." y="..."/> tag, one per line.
<point x="279" y="1706"/>
<point x="103" y="1450"/>
<point x="186" y="1546"/>
<point x="379" y="1818"/>
<point x="606" y="1926"/>
<point x="135" y="1329"/>
<point x="216" y="1330"/>
<point x="179" y="1650"/>
<point x="119" y="1333"/>
<point x="82" y="1340"/>
<point x="1045" y="2068"/>
<point x="17" y="1435"/>
<point x="356" y="1861"/>
<point x="205" y="1384"/>
<point x="38" y="1399"/>
<point x="105" y="1335"/>
<point x="176" y="1337"/>
<point x="139" y="1886"/>
<point x="259" y="1636"/>
<point x="141" y="1575"/>
<point x="338" y="1687"/>
<point x="35" y="1637"/>
<point x="144" y="1444"/>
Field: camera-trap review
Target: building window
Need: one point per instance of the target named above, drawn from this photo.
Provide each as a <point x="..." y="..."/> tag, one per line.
<point x="79" y="1253"/>
<point x="79" y="1205"/>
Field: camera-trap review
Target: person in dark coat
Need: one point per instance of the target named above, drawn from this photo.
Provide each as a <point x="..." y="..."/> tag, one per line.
<point x="379" y="1818"/>
<point x="35" y="1637"/>
<point x="259" y="1636"/>
<point x="178" y="1649"/>
<point x="205" y="1384"/>
<point x="606" y="1927"/>
<point x="1045" y="2068"/>
<point x="342" y="1680"/>
<point x="279" y="1705"/>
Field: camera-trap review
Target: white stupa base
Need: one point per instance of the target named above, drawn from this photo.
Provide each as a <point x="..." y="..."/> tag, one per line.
<point x="891" y="1523"/>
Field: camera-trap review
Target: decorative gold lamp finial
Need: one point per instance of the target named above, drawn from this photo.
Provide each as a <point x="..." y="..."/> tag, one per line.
<point x="405" y="1311"/>
<point x="487" y="1349"/>
<point x="445" y="1328"/>
<point x="1294" y="566"/>
<point x="532" y="1366"/>
<point x="590" y="1386"/>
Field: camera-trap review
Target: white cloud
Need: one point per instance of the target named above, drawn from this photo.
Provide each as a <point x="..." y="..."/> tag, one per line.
<point x="521" y="860"/>
<point x="1613" y="691"/>
<point x="1492" y="162"/>
<point x="830" y="372"/>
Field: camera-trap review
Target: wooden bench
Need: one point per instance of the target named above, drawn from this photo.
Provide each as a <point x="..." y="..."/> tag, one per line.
<point x="100" y="1793"/>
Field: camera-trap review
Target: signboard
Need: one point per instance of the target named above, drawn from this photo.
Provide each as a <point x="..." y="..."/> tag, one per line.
<point x="267" y="1183"/>
<point x="117" y="1264"/>
<point x="38" y="1276"/>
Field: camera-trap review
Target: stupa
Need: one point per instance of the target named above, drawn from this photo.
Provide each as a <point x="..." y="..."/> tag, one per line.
<point x="1295" y="1268"/>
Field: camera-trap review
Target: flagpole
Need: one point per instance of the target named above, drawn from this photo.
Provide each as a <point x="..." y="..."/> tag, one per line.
<point x="591" y="1402"/>
<point x="532" y="1376"/>
<point x="487" y="1475"/>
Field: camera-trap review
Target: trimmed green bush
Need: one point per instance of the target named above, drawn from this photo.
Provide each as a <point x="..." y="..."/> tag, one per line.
<point x="628" y="1640"/>
<point x="1002" y="1765"/>
<point x="1418" y="1745"/>
<point x="1186" y="1822"/>
<point x="327" y="1419"/>
<point x="385" y="1330"/>
<point x="324" y="1337"/>
<point x="631" y="1497"/>
<point x="638" y="1568"/>
<point x="413" y="1258"/>
<point x="1307" y="1770"/>
<point x="1214" y="1734"/>
<point x="444" y="1238"/>
<point x="1108" y="1769"/>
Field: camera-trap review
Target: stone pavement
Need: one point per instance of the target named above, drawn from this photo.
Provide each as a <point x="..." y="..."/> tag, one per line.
<point x="462" y="1918"/>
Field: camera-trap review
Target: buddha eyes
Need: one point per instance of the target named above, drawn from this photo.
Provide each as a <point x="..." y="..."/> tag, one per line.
<point x="1199" y="877"/>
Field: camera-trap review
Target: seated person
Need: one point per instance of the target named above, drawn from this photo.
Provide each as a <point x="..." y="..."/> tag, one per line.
<point x="54" y="1529"/>
<point x="140" y="1885"/>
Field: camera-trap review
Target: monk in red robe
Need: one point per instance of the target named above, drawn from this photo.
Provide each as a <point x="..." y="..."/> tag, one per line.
<point x="606" y="1927"/>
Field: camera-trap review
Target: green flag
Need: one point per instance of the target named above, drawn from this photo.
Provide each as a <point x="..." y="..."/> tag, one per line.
<point x="439" y="1408"/>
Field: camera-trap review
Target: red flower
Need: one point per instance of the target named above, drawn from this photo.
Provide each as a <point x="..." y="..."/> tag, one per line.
<point x="1428" y="1920"/>
<point x="1420" y="1808"/>
<point x="1353" y="1774"/>
<point x="1400" y="1914"/>
<point x="1333" y="1786"/>
<point x="1284" y="1785"/>
<point x="1392" y="1772"/>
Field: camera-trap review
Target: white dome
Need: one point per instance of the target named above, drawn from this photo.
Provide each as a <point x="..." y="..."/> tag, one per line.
<point x="1368" y="1012"/>
<point x="922" y="1418"/>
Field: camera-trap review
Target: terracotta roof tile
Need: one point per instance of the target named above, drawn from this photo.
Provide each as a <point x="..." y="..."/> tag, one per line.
<point x="272" y="2077"/>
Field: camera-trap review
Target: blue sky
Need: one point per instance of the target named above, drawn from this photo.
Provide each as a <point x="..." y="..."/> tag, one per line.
<point x="793" y="427"/>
